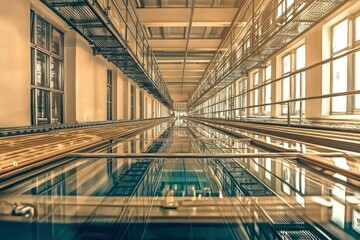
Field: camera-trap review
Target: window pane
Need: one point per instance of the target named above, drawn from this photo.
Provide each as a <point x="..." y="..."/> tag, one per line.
<point x="56" y="45"/>
<point x="339" y="84"/>
<point x="285" y="92"/>
<point x="268" y="88"/>
<point x="32" y="106"/>
<point x="340" y="36"/>
<point x="56" y="108"/>
<point x="43" y="107"/>
<point x="32" y="27"/>
<point x="268" y="72"/>
<point x="41" y="69"/>
<point x="56" y="78"/>
<point x="32" y="77"/>
<point x="357" y="79"/>
<point x="286" y="64"/>
<point x="357" y="28"/>
<point x="300" y="57"/>
<point x="42" y="33"/>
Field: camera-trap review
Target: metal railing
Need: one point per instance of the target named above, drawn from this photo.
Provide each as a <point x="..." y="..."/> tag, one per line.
<point x="113" y="30"/>
<point x="221" y="107"/>
<point x="270" y="27"/>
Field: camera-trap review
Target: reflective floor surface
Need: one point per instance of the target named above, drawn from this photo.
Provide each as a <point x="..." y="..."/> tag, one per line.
<point x="182" y="197"/>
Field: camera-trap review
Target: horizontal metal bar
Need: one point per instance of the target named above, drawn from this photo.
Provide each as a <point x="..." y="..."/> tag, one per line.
<point x="197" y="155"/>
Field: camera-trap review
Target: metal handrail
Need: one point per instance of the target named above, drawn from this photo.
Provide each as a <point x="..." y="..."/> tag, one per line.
<point x="212" y="83"/>
<point x="292" y="74"/>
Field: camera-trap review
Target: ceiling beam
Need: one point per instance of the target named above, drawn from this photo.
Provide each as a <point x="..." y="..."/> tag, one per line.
<point x="179" y="17"/>
<point x="178" y="67"/>
<point x="179" y="44"/>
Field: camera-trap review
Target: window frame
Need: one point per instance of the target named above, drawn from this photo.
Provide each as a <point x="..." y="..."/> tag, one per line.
<point x="50" y="58"/>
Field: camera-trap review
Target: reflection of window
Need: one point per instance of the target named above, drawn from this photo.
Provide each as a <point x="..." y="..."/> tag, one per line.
<point x="256" y="161"/>
<point x="286" y="178"/>
<point x="56" y="78"/>
<point x="268" y="168"/>
<point x="41" y="69"/>
<point x="43" y="106"/>
<point x="56" y="43"/>
<point x="57" y="106"/>
<point x="356" y="221"/>
<point x="46" y="72"/>
<point x="42" y="33"/>
<point x="338" y="213"/>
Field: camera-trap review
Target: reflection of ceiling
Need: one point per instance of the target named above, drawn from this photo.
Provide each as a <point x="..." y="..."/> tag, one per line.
<point x="184" y="36"/>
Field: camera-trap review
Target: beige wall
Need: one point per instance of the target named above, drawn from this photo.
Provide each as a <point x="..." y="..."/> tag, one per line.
<point x="14" y="63"/>
<point x="85" y="75"/>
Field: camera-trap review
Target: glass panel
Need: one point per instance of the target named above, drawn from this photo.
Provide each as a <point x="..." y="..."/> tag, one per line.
<point x="256" y="91"/>
<point x="32" y="53"/>
<point x="56" y="44"/>
<point x="32" y="107"/>
<point x="32" y="27"/>
<point x="41" y="69"/>
<point x="56" y="74"/>
<point x="340" y="36"/>
<point x="300" y="57"/>
<point x="268" y="88"/>
<point x="286" y="92"/>
<point x="339" y="84"/>
<point x="287" y="64"/>
<point x="43" y="106"/>
<point x="357" y="29"/>
<point x="42" y="33"/>
<point x="57" y="108"/>
<point x="357" y="79"/>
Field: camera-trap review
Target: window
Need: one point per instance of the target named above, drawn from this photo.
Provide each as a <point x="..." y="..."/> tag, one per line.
<point x="109" y="96"/>
<point x="256" y="92"/>
<point x="132" y="102"/>
<point x="300" y="77"/>
<point x="340" y="36"/>
<point x="357" y="79"/>
<point x="47" y="81"/>
<point x="339" y="84"/>
<point x="267" y="94"/>
<point x="286" y="81"/>
<point x="345" y="71"/>
<point x="141" y="105"/>
<point x="293" y="87"/>
<point x="357" y="28"/>
<point x="243" y="96"/>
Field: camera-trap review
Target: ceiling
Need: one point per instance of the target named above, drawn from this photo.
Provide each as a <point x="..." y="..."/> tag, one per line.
<point x="184" y="36"/>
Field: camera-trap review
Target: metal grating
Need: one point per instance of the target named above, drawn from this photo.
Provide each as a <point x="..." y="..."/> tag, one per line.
<point x="297" y="235"/>
<point x="91" y="21"/>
